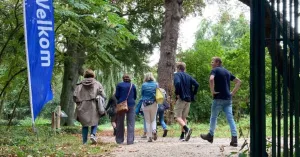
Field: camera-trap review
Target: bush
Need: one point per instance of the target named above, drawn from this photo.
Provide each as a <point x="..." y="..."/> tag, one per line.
<point x="200" y="109"/>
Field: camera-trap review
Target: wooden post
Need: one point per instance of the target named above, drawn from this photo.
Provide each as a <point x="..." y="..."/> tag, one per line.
<point x="58" y="117"/>
<point x="53" y="121"/>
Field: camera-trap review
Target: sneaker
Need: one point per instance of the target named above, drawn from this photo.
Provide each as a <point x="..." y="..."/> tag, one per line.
<point x="208" y="137"/>
<point x="144" y="136"/>
<point x="165" y="133"/>
<point x="181" y="139"/>
<point x="188" y="135"/>
<point x="93" y="139"/>
<point x="150" y="139"/>
<point x="154" y="136"/>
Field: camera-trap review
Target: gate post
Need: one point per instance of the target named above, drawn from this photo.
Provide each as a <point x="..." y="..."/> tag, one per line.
<point x="257" y="80"/>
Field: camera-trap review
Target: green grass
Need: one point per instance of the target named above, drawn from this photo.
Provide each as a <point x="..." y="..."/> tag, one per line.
<point x="22" y="141"/>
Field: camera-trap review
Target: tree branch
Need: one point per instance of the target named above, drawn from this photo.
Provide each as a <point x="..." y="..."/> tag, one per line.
<point x="8" y="82"/>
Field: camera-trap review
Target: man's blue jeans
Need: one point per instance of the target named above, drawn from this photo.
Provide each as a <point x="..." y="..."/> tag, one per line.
<point x="216" y="107"/>
<point x="85" y="130"/>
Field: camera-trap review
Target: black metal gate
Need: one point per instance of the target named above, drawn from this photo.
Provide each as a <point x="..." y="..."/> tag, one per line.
<point x="274" y="30"/>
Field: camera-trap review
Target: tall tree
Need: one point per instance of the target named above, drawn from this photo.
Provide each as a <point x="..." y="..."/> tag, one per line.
<point x="87" y="31"/>
<point x="175" y="10"/>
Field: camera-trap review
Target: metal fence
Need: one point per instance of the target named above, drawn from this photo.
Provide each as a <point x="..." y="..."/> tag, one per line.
<point x="274" y="30"/>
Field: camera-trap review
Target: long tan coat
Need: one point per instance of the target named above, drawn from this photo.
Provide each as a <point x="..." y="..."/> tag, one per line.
<point x="84" y="96"/>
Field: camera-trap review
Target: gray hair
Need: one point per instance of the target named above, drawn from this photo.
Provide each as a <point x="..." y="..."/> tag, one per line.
<point x="149" y="77"/>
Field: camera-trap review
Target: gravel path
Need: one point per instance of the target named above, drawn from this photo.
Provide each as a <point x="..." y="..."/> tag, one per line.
<point x="165" y="147"/>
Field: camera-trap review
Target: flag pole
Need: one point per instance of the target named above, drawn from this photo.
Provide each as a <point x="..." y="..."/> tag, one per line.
<point x="28" y="67"/>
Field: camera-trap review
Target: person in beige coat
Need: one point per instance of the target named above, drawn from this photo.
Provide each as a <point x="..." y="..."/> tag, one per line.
<point x="86" y="110"/>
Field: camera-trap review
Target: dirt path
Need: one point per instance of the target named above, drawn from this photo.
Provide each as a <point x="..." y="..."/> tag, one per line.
<point x="165" y="147"/>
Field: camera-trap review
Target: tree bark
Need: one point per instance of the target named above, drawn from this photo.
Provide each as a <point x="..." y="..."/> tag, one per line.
<point x="74" y="60"/>
<point x="170" y="31"/>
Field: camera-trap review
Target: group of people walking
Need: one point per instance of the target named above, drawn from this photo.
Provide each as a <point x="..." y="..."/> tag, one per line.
<point x="186" y="88"/>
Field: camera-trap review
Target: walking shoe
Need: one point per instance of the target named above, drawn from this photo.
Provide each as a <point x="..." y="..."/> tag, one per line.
<point x="154" y="136"/>
<point x="208" y="137"/>
<point x="234" y="141"/>
<point x="144" y="136"/>
<point x="150" y="139"/>
<point x="188" y="135"/>
<point x="93" y="139"/>
<point x="165" y="133"/>
<point x="181" y="139"/>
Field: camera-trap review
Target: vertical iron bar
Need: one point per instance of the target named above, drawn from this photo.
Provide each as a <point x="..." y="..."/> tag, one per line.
<point x="279" y="94"/>
<point x="285" y="81"/>
<point x="257" y="80"/>
<point x="273" y="37"/>
<point x="278" y="88"/>
<point x="291" y="84"/>
<point x="296" y="78"/>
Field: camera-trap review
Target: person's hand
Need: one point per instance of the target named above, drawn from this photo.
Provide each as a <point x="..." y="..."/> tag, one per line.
<point x="232" y="94"/>
<point x="214" y="93"/>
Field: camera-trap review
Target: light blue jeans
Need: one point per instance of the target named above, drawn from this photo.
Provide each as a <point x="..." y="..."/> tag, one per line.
<point x="216" y="107"/>
<point x="85" y="130"/>
<point x="161" y="119"/>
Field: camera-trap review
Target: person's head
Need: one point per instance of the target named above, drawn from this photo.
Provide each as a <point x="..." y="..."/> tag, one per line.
<point x="126" y="78"/>
<point x="89" y="73"/>
<point x="216" y="62"/>
<point x="149" y="77"/>
<point x="180" y="66"/>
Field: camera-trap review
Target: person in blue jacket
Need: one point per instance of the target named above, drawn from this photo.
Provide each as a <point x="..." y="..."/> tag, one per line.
<point x="186" y="88"/>
<point x="149" y="105"/>
<point x="122" y="91"/>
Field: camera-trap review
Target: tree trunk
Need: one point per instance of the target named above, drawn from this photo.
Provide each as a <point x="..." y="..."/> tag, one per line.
<point x="74" y="60"/>
<point x="170" y="31"/>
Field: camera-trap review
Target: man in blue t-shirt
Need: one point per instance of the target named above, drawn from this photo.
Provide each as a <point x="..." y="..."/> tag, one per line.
<point x="186" y="88"/>
<point x="219" y="83"/>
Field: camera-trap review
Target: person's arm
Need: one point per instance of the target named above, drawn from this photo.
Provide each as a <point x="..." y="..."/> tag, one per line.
<point x="177" y="85"/>
<point x="196" y="86"/>
<point x="134" y="92"/>
<point x="110" y="102"/>
<point x="212" y="85"/>
<point x="237" y="85"/>
<point x="118" y="92"/>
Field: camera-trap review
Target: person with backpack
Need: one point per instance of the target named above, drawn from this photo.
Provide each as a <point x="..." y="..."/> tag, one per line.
<point x="86" y="105"/>
<point x="161" y="112"/>
<point x="186" y="88"/>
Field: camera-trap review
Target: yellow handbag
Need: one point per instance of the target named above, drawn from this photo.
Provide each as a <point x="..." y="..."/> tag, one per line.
<point x="159" y="96"/>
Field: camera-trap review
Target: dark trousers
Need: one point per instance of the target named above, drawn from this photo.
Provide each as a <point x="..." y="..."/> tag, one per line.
<point x="130" y="119"/>
<point x="85" y="130"/>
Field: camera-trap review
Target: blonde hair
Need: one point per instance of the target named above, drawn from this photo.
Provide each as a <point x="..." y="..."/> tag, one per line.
<point x="149" y="77"/>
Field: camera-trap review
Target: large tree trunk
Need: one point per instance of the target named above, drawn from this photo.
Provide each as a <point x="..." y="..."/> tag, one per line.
<point x="170" y="31"/>
<point x="74" y="60"/>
